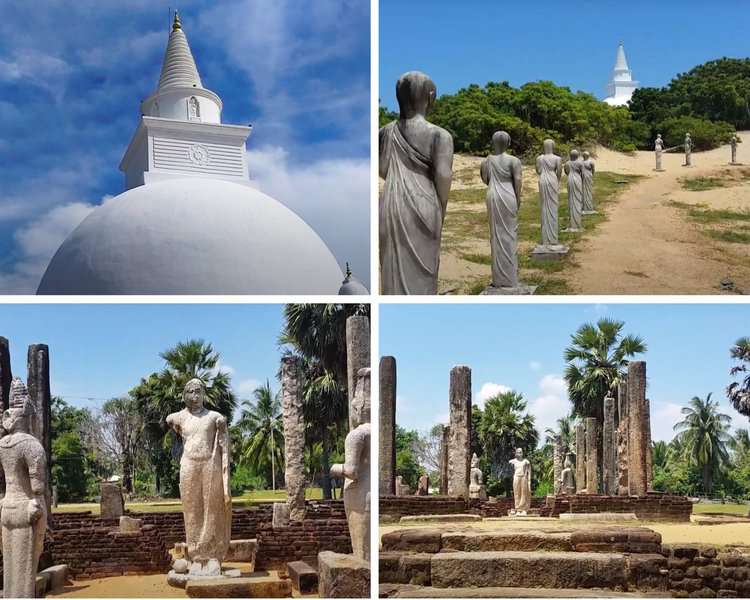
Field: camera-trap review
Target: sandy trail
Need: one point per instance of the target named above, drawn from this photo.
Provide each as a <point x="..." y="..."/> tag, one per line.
<point x="648" y="246"/>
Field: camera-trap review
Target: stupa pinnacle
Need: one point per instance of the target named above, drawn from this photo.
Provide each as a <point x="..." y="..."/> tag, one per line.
<point x="621" y="86"/>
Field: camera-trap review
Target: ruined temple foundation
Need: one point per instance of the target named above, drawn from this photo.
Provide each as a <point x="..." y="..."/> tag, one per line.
<point x="459" y="449"/>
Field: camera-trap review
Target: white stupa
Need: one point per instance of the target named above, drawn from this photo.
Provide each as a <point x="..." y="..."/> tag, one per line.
<point x="621" y="86"/>
<point x="189" y="221"/>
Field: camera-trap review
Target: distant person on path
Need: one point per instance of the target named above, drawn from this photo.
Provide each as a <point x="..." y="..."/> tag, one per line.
<point x="416" y="161"/>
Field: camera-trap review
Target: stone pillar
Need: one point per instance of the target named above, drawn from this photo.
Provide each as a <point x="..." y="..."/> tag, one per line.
<point x="609" y="448"/>
<point x="38" y="384"/>
<point x="357" y="352"/>
<point x="649" y="448"/>
<point x="6" y="376"/>
<point x="557" y="458"/>
<point x="580" y="457"/>
<point x="111" y="502"/>
<point x="622" y="439"/>
<point x="444" y="445"/>
<point x="459" y="451"/>
<point x="387" y="433"/>
<point x="294" y="435"/>
<point x="592" y="468"/>
<point x="637" y="423"/>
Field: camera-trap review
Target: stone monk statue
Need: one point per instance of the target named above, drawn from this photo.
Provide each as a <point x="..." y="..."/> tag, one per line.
<point x="476" y="487"/>
<point x="733" y="143"/>
<point x="574" y="170"/>
<point x="23" y="512"/>
<point x="356" y="468"/>
<point x="587" y="178"/>
<point x="416" y="161"/>
<point x="521" y="483"/>
<point x="549" y="169"/>
<point x="204" y="480"/>
<point x="567" y="477"/>
<point x="688" y="150"/>
<point x="502" y="174"/>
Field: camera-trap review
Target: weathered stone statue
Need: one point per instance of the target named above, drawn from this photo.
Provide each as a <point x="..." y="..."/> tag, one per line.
<point x="733" y="143"/>
<point x="549" y="169"/>
<point x="587" y="178"/>
<point x="356" y="468"/>
<point x="574" y="170"/>
<point x="476" y="487"/>
<point x="688" y="150"/>
<point x="23" y="512"/>
<point x="204" y="480"/>
<point x="658" y="149"/>
<point x="423" y="486"/>
<point x="416" y="161"/>
<point x="402" y="489"/>
<point x="521" y="483"/>
<point x="502" y="174"/>
<point x="567" y="477"/>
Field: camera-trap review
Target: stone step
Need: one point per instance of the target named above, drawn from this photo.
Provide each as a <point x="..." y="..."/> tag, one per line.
<point x="399" y="590"/>
<point x="569" y="570"/>
<point x="454" y="518"/>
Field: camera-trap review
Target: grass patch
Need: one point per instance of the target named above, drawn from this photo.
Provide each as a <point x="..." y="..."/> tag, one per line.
<point x="467" y="221"/>
<point x="636" y="274"/>
<point x="728" y="509"/>
<point x="727" y="235"/>
<point x="701" y="184"/>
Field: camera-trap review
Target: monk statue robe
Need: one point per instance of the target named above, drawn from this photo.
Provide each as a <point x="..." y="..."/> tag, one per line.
<point x="23" y="512"/>
<point x="587" y="178"/>
<point x="549" y="169"/>
<point x="204" y="480"/>
<point x="521" y="483"/>
<point x="688" y="144"/>
<point x="733" y="143"/>
<point x="502" y="174"/>
<point x="574" y="171"/>
<point x="416" y="161"/>
<point x="658" y="149"/>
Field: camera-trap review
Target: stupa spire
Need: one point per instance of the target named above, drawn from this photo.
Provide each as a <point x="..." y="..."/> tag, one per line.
<point x="621" y="86"/>
<point x="178" y="68"/>
<point x="621" y="63"/>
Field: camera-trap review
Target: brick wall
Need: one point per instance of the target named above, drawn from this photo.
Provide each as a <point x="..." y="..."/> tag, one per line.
<point x="401" y="506"/>
<point x="652" y="507"/>
<point x="707" y="571"/>
<point x="276" y="547"/>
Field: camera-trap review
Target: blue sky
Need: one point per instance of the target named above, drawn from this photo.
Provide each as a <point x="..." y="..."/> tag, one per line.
<point x="570" y="43"/>
<point x="521" y="347"/>
<point x="72" y="75"/>
<point x="100" y="351"/>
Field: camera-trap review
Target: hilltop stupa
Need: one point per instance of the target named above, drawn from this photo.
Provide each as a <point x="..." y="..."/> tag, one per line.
<point x="621" y="87"/>
<point x="189" y="221"/>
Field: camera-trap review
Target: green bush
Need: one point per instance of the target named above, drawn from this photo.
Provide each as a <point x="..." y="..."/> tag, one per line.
<point x="705" y="134"/>
<point x="244" y="480"/>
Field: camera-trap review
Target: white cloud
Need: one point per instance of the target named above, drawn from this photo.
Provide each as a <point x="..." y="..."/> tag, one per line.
<point x="663" y="418"/>
<point x="489" y="390"/>
<point x="245" y="388"/>
<point x="535" y="365"/>
<point x="332" y="196"/>
<point x="552" y="402"/>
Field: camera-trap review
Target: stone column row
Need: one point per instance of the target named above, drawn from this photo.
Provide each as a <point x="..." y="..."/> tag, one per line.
<point x="592" y="468"/>
<point x="622" y="439"/>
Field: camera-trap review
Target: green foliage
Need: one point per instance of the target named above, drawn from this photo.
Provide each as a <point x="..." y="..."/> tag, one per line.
<point x="738" y="392"/>
<point x="385" y="116"/>
<point x="407" y="463"/>
<point x="72" y="462"/>
<point x="243" y="479"/>
<point x="705" y="134"/>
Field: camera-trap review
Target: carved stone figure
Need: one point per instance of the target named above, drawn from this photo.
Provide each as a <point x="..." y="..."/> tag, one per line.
<point x="521" y="483"/>
<point x="476" y="487"/>
<point x="688" y="150"/>
<point x="574" y="170"/>
<point x="423" y="486"/>
<point x="587" y="177"/>
<point x="204" y="480"/>
<point x="658" y="149"/>
<point x="549" y="169"/>
<point x="567" y="477"/>
<point x="502" y="174"/>
<point x="733" y="143"/>
<point x="416" y="161"/>
<point x="356" y="468"/>
<point x="194" y="111"/>
<point x="402" y="489"/>
<point x="23" y="512"/>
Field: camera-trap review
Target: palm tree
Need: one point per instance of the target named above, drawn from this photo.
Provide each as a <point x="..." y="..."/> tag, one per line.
<point x="739" y="393"/>
<point x="506" y="426"/>
<point x="660" y="453"/>
<point x="597" y="360"/>
<point x="740" y="442"/>
<point x="261" y="424"/>
<point x="703" y="432"/>
<point x="566" y="432"/>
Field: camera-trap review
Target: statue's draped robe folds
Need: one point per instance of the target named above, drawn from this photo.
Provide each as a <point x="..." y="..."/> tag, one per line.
<point x="24" y="467"/>
<point x="574" y="170"/>
<point x="411" y="217"/>
<point x="357" y="489"/>
<point x="204" y="487"/>
<point x="587" y="181"/>
<point x="521" y="484"/>
<point x="502" y="208"/>
<point x="549" y="197"/>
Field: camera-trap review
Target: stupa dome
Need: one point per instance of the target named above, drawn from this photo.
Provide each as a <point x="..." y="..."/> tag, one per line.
<point x="351" y="286"/>
<point x="192" y="236"/>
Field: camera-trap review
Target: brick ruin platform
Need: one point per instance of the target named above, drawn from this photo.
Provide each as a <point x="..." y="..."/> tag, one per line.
<point x="654" y="506"/>
<point x="619" y="559"/>
<point x="93" y="547"/>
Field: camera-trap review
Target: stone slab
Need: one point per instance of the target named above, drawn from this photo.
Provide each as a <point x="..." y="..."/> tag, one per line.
<point x="241" y="587"/>
<point x="304" y="577"/>
<point x="413" y="540"/>
<point x="242" y="551"/>
<point x="517" y="539"/>
<point x="58" y="577"/>
<point x="399" y="590"/>
<point x="42" y="584"/>
<point x="535" y="518"/>
<point x="603" y="516"/>
<point x="343" y="576"/>
<point x="454" y="518"/>
<point x="130" y="525"/>
<point x="181" y="580"/>
<point x="544" y="253"/>
<point x="520" y="290"/>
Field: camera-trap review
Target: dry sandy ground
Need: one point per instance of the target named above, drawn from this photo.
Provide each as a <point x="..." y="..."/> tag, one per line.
<point x="648" y="246"/>
<point x="672" y="533"/>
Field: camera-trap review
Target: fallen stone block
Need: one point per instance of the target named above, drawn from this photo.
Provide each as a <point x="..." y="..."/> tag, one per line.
<point x="42" y="584"/>
<point x="343" y="576"/>
<point x="304" y="577"/>
<point x="58" y="577"/>
<point x="455" y="518"/>
<point x="413" y="540"/>
<point x="130" y="525"/>
<point x="240" y="587"/>
<point x="242" y="551"/>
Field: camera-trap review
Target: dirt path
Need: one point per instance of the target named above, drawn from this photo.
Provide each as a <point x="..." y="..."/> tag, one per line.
<point x="649" y="245"/>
